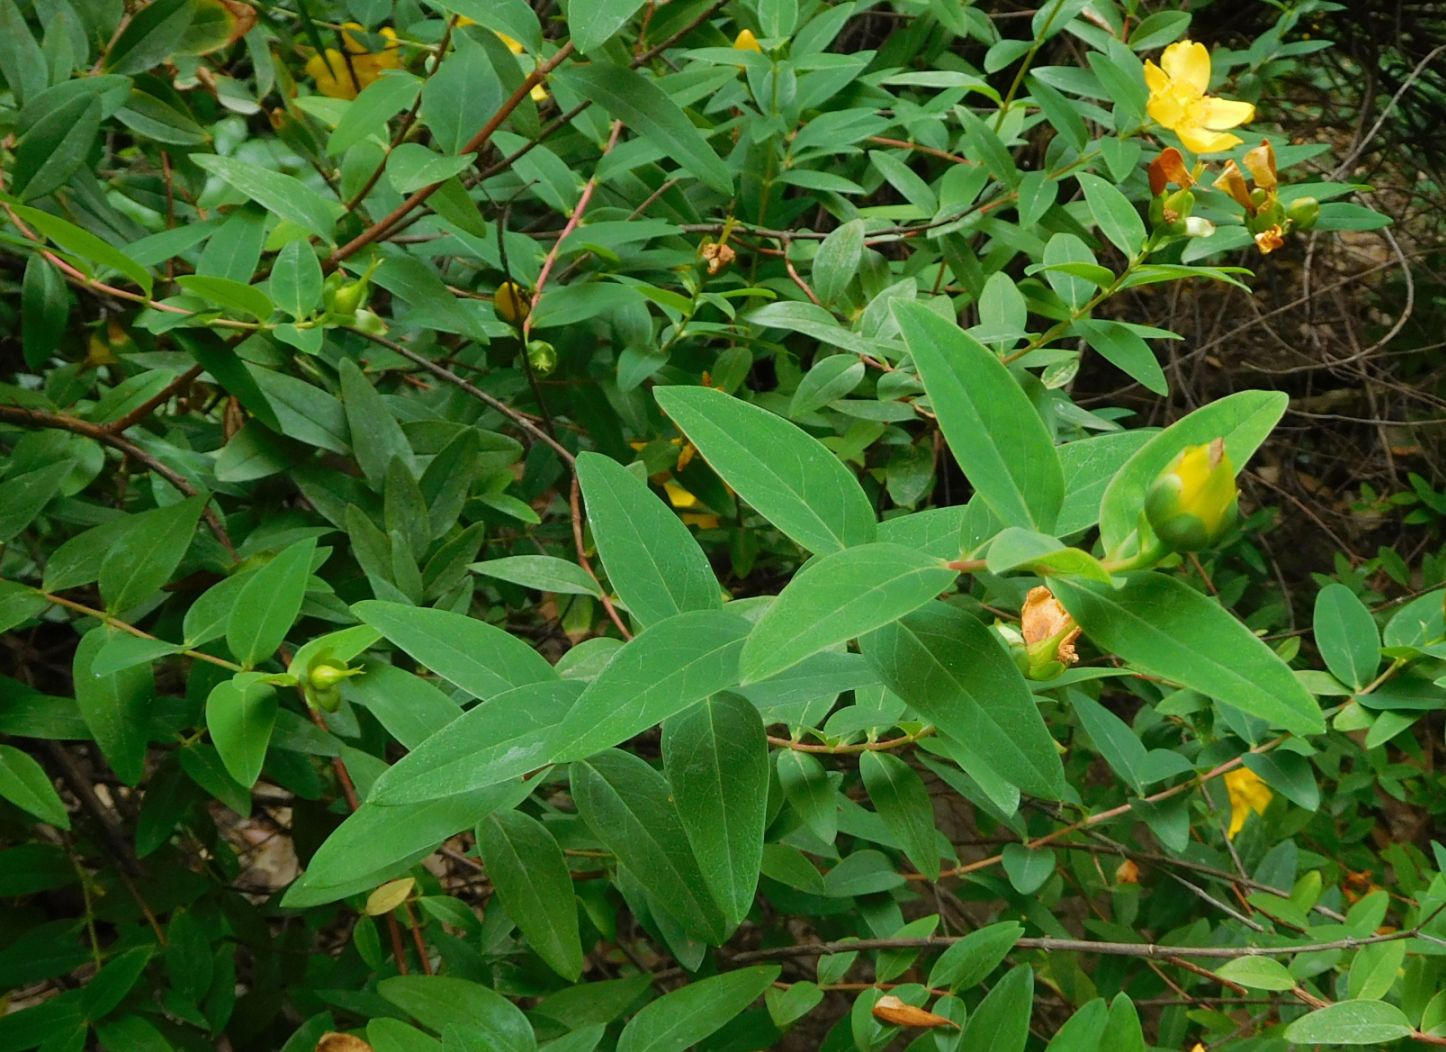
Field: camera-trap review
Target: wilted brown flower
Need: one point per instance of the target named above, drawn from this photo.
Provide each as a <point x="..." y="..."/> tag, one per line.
<point x="334" y="1042"/>
<point x="1042" y="618"/>
<point x="717" y="256"/>
<point x="1127" y="872"/>
<point x="889" y="1009"/>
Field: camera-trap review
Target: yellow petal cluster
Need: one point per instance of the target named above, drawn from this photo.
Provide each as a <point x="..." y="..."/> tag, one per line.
<point x="1178" y="100"/>
<point x="341" y="75"/>
<point x="1248" y="795"/>
<point x="1193" y="501"/>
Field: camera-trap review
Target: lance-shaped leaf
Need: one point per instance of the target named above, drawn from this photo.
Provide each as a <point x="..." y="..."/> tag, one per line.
<point x="240" y="718"/>
<point x="1243" y="419"/>
<point x="671" y="666"/>
<point x="682" y="1018"/>
<point x="791" y="478"/>
<point x="651" y="559"/>
<point x="840" y="597"/>
<point x="507" y="737"/>
<point x="480" y="658"/>
<point x="268" y="604"/>
<point x="903" y="803"/>
<point x="991" y="426"/>
<point x="1162" y="626"/>
<point x="115" y="706"/>
<point x="716" y="759"/>
<point x="526" y="867"/>
<point x="953" y="671"/>
<point x="628" y="806"/>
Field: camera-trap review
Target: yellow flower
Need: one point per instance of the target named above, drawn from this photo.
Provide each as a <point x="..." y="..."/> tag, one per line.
<point x="746" y="41"/>
<point x="343" y="76"/>
<point x="1178" y="100"/>
<point x="1193" y="502"/>
<point x="1248" y="793"/>
<point x="678" y="497"/>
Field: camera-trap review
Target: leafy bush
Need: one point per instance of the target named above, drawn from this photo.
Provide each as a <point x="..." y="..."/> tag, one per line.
<point x="589" y="531"/>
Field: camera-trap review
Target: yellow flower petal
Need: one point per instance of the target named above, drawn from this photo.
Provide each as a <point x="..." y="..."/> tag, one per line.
<point x="1248" y="794"/>
<point x="513" y="46"/>
<point x="1156" y="79"/>
<point x="678" y="497"/>
<point x="746" y="41"/>
<point x="1188" y="62"/>
<point x="1219" y="114"/>
<point x="1168" y="109"/>
<point x="1199" y="140"/>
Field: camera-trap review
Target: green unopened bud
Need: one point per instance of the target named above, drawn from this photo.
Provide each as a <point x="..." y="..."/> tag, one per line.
<point x="511" y="303"/>
<point x="1304" y="212"/>
<point x="1258" y="196"/>
<point x="1179" y="205"/>
<point x="369" y="322"/>
<point x="324" y="678"/>
<point x="1013" y="641"/>
<point x="343" y="297"/>
<point x="542" y="356"/>
<point x="1194" y="500"/>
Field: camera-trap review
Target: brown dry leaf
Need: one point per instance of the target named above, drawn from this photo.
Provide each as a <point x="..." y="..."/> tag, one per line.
<point x="889" y="1009"/>
<point x="389" y="896"/>
<point x="334" y="1042"/>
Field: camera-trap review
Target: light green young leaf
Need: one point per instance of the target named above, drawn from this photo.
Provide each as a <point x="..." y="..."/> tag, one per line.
<point x="715" y="756"/>
<point x="526" y="867"/>
<point x="296" y="279"/>
<point x="1257" y="973"/>
<point x="651" y="559"/>
<point x="628" y="807"/>
<point x="545" y="573"/>
<point x="282" y="194"/>
<point x="1163" y="626"/>
<point x="267" y="605"/>
<point x="1350" y="1023"/>
<point x="1113" y="213"/>
<point x="953" y="671"/>
<point x="791" y="478"/>
<point x="840" y="597"/>
<point x="682" y="1018"/>
<point x="992" y="428"/>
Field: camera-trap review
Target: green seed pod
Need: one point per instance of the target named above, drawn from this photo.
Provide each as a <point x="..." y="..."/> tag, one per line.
<point x="1304" y="212"/>
<point x="1194" y="501"/>
<point x="542" y="356"/>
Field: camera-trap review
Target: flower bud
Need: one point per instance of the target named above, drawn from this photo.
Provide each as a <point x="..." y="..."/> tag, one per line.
<point x="1304" y="212"/>
<point x="511" y="303"/>
<point x="746" y="41"/>
<point x="1194" y="501"/>
<point x="344" y="297"/>
<point x="542" y="356"/>
<point x="369" y="322"/>
<point x="1195" y="226"/>
<point x="322" y="685"/>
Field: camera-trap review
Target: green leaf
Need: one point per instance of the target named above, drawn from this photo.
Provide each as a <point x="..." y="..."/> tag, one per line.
<point x="460" y="96"/>
<point x="1375" y="969"/>
<point x="409" y="707"/>
<point x="1088" y="466"/>
<point x="368" y="113"/>
<point x="531" y="877"/>
<point x="682" y="1018"/>
<point x="276" y="192"/>
<point x="481" y="659"/>
<point x="18" y="604"/>
<point x="1001" y="1022"/>
<point x="269" y="603"/>
<point x="651" y="559"/>
<point x="715" y="756"/>
<point x="837" y="263"/>
<point x="1113" y="213"/>
<point x="1257" y="973"/>
<point x="970" y="960"/>
<point x="593" y="23"/>
<point x="954" y="672"/>
<point x="23" y="497"/>
<point x="296" y="279"/>
<point x="659" y="673"/>
<point x="545" y="573"/>
<point x="1162" y="626"/>
<point x="989" y="422"/>
<point x="150" y="37"/>
<point x="376" y="437"/>
<point x="114" y="707"/>
<point x="511" y="735"/>
<point x="1126" y="350"/>
<point x="830" y="379"/>
<point x="22" y="63"/>
<point x="26" y="785"/>
<point x="1243" y="419"/>
<point x="628" y="807"/>
<point x="44" y="310"/>
<point x="1014" y="549"/>
<point x="809" y="792"/>
<point x="240" y="718"/>
<point x="840" y="597"/>
<point x="125" y="650"/>
<point x="1083" y="1030"/>
<point x="237" y="297"/>
<point x="793" y="480"/>
<point x="1350" y="1023"/>
<point x="74" y="241"/>
<point x="55" y="147"/>
<point x="903" y="803"/>
<point x="148" y="552"/>
<point x="645" y="108"/>
<point x="440" y="1001"/>
<point x="1347" y="636"/>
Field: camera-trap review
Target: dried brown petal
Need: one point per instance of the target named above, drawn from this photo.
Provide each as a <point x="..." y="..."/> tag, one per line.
<point x="1127" y="872"/>
<point x="1042" y="617"/>
<point x="1232" y="181"/>
<point x="334" y="1042"/>
<point x="1169" y="168"/>
<point x="1260" y="163"/>
<point x="889" y="1009"/>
